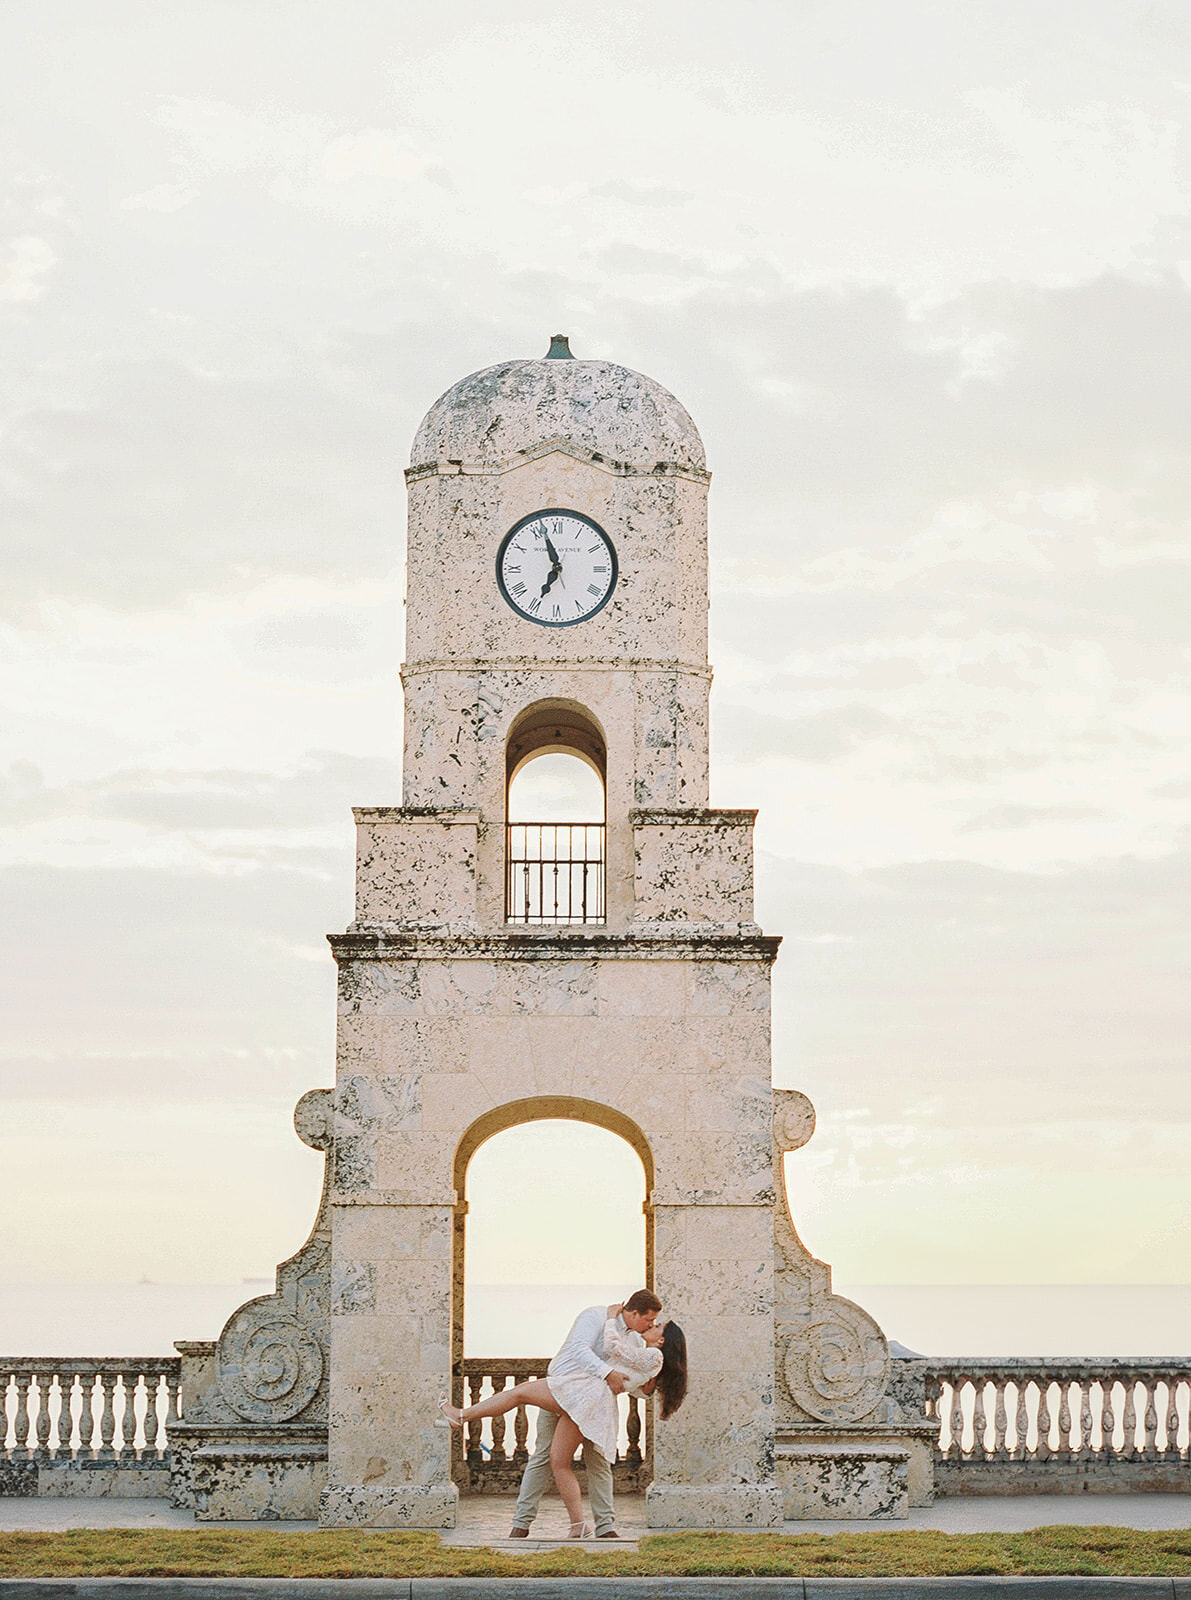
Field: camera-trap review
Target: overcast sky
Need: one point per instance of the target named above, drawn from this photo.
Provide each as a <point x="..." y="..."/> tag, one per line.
<point x="920" y="273"/>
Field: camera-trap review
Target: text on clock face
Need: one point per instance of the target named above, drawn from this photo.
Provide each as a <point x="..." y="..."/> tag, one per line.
<point x="556" y="567"/>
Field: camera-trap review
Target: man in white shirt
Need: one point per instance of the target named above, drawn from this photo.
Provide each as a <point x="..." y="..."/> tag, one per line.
<point x="581" y="1353"/>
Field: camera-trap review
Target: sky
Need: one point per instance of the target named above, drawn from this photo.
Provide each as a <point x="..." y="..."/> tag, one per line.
<point x="920" y="273"/>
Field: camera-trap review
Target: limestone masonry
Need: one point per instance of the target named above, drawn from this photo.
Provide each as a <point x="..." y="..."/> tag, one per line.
<point x="479" y="987"/>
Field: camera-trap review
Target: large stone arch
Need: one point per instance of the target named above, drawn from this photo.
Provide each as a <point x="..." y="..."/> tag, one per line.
<point x="514" y="1113"/>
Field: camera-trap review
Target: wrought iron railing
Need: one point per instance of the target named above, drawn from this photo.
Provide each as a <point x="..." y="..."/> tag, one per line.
<point x="554" y="872"/>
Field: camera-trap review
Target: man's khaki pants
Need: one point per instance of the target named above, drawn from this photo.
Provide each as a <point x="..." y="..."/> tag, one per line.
<point x="537" y="1477"/>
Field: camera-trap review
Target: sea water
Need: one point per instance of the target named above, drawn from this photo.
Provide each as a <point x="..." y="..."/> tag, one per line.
<point x="503" y="1320"/>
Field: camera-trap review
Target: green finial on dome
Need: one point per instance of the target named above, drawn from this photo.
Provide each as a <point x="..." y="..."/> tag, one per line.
<point x="560" y="348"/>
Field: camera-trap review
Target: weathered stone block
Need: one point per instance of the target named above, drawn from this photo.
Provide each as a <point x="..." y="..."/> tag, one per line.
<point x="693" y="868"/>
<point x="431" y="1505"/>
<point x="713" y="1505"/>
<point x="843" y="1481"/>
<point x="416" y="869"/>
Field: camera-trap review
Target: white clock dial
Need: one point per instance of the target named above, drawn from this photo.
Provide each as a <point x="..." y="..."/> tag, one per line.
<point x="556" y="568"/>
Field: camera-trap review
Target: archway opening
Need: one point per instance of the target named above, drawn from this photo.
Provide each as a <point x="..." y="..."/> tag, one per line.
<point x="555" y="766"/>
<point x="552" y="1215"/>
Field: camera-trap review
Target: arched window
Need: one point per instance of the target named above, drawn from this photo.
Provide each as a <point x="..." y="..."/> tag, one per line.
<point x="555" y="769"/>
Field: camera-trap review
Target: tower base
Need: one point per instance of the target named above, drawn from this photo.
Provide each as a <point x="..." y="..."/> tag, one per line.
<point x="404" y="1505"/>
<point x="713" y="1505"/>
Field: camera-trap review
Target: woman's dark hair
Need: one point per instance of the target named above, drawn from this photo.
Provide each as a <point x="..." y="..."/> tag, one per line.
<point x="671" y="1384"/>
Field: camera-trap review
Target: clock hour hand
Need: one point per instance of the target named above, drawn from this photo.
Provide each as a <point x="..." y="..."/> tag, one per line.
<point x="555" y="565"/>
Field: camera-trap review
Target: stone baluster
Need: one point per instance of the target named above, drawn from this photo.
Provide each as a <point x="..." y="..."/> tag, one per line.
<point x="173" y="1385"/>
<point x="1021" y="1421"/>
<point x="979" y="1421"/>
<point x="633" y="1428"/>
<point x="1043" y="1449"/>
<point x="1150" y="1420"/>
<point x="65" y="1419"/>
<point x="1000" y="1417"/>
<point x="86" y="1417"/>
<point x="957" y="1416"/>
<point x="152" y="1395"/>
<point x="20" y="1422"/>
<point x="1108" y="1421"/>
<point x="1172" y="1417"/>
<point x="129" y="1383"/>
<point x="475" y="1426"/>
<point x="107" y="1420"/>
<point x="520" y="1436"/>
<point x="1129" y="1446"/>
<point x="41" y="1417"/>
<point x="1064" y="1447"/>
<point x="499" y="1382"/>
<point x="1085" y="1419"/>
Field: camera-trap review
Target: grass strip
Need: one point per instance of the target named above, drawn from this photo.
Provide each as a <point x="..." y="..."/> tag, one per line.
<point x="243" y="1553"/>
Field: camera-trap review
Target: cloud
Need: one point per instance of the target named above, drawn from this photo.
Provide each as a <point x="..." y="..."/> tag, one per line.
<point x="318" y="792"/>
<point x="30" y="259"/>
<point x="1026" y="816"/>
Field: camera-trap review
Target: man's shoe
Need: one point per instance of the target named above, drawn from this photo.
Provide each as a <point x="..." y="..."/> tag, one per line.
<point x="611" y="1534"/>
<point x="518" y="1533"/>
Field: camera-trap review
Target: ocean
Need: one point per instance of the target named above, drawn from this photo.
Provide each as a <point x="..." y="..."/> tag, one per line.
<point x="144" y="1319"/>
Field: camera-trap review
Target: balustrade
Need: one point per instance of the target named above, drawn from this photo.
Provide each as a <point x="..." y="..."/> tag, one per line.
<point x="1051" y="1421"/>
<point x="483" y="1463"/>
<point x="51" y="1408"/>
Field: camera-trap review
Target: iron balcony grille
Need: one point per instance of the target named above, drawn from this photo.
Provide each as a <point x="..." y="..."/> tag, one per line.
<point x="555" y="872"/>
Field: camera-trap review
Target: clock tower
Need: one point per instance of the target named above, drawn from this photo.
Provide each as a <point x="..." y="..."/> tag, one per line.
<point x="557" y="599"/>
<point x="499" y="972"/>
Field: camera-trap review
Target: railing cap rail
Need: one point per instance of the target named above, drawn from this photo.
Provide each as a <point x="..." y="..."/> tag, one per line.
<point x="83" y="1364"/>
<point x="943" y="1366"/>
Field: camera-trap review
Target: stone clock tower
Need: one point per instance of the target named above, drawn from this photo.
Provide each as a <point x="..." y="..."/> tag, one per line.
<point x="466" y="1006"/>
<point x="497" y="974"/>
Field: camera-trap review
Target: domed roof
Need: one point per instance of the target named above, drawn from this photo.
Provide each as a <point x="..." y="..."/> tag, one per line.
<point x="515" y="407"/>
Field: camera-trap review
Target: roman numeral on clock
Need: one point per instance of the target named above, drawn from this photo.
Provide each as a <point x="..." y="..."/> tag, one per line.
<point x="518" y="589"/>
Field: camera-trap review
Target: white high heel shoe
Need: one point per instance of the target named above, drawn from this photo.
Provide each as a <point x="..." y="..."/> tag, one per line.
<point x="586" y="1530"/>
<point x="446" y="1421"/>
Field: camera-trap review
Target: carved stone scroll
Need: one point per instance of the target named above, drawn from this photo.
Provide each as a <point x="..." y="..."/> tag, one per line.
<point x="832" y="1358"/>
<point x="271" y="1359"/>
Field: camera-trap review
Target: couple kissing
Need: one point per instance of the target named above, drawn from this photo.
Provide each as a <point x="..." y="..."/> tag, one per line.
<point x="610" y="1350"/>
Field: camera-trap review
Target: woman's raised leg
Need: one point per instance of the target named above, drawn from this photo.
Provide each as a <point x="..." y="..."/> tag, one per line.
<point x="567" y="1439"/>
<point x="534" y="1393"/>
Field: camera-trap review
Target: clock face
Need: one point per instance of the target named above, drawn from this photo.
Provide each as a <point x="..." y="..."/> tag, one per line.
<point x="556" y="568"/>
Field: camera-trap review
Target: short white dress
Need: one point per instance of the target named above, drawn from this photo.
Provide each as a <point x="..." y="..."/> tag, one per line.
<point x="589" y="1402"/>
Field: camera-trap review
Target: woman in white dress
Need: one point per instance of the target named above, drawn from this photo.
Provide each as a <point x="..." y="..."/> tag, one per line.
<point x="585" y="1404"/>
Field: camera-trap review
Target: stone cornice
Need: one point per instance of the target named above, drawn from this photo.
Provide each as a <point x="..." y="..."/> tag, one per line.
<point x="449" y="816"/>
<point x="657" y="817"/>
<point x="556" y="669"/>
<point x="552" y="945"/>
<point x="556" y="446"/>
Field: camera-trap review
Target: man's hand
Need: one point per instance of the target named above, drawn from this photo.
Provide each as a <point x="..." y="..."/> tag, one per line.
<point x="616" y="1382"/>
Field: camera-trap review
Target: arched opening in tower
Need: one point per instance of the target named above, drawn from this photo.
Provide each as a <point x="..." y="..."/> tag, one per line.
<point x="556" y="765"/>
<point x="552" y="1216"/>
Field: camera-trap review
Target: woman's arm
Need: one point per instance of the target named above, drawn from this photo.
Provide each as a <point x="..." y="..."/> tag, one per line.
<point x="628" y="1353"/>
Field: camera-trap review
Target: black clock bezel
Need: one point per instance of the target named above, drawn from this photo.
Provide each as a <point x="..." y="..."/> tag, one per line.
<point x="576" y="516"/>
